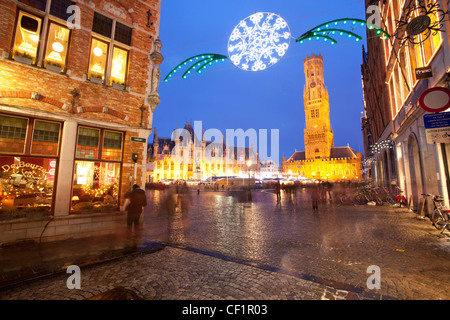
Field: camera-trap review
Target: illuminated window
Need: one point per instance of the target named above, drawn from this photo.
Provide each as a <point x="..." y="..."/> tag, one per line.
<point x="119" y="66"/>
<point x="28" y="35"/>
<point x="392" y="96"/>
<point x="13" y="133"/>
<point x="112" y="146"/>
<point x="106" y="52"/>
<point x="97" y="62"/>
<point x="45" y="138"/>
<point x="27" y="38"/>
<point x="405" y="68"/>
<point x="57" y="45"/>
<point x="88" y="143"/>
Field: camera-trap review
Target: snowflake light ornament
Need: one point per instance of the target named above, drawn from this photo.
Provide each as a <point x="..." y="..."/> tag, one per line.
<point x="259" y="41"/>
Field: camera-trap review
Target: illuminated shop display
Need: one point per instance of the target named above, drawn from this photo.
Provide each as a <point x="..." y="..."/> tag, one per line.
<point x="108" y="62"/>
<point x="27" y="37"/>
<point x="29" y="150"/>
<point x="119" y="66"/>
<point x="97" y="170"/>
<point x="57" y="45"/>
<point x="26" y="184"/>
<point x="97" y="62"/>
<point x="95" y="186"/>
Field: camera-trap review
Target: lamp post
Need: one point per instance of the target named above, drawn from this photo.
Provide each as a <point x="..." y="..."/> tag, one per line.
<point x="249" y="163"/>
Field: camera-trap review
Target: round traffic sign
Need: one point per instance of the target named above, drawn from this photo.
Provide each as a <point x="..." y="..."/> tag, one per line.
<point x="435" y="99"/>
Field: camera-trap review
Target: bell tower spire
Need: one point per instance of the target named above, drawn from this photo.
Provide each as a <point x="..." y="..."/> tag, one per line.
<point x="318" y="133"/>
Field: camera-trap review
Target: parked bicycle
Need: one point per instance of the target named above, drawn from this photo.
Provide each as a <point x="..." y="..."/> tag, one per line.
<point x="440" y="216"/>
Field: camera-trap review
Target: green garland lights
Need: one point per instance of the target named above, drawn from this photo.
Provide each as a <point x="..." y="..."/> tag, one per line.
<point x="201" y="62"/>
<point x="324" y="31"/>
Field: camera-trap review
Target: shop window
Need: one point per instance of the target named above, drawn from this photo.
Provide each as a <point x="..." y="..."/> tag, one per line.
<point x="27" y="38"/>
<point x="57" y="46"/>
<point x="97" y="63"/>
<point x="95" y="187"/>
<point x="26" y="186"/>
<point x="88" y="143"/>
<point x="13" y="133"/>
<point x="45" y="138"/>
<point x="112" y="146"/>
<point x="96" y="181"/>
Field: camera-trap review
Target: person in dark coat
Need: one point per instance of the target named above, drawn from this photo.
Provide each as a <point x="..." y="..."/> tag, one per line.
<point x="315" y="196"/>
<point x="138" y="201"/>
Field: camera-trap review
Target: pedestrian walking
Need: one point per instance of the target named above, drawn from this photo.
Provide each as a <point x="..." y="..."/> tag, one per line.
<point x="278" y="191"/>
<point x="137" y="201"/>
<point x="315" y="196"/>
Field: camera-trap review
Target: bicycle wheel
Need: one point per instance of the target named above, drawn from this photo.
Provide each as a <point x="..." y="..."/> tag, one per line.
<point x="438" y="219"/>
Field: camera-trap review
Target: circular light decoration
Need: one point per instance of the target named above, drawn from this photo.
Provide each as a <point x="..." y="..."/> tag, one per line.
<point x="58" y="47"/>
<point x="98" y="52"/>
<point x="259" y="41"/>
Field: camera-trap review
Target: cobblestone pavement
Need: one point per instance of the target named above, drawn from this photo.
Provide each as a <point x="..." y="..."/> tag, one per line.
<point x="221" y="247"/>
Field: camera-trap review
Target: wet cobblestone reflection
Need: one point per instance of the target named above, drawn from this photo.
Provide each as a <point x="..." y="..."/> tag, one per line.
<point x="337" y="243"/>
<point x="218" y="245"/>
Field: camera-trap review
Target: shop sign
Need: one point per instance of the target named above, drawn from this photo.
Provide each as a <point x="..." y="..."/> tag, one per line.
<point x="22" y="165"/>
<point x="137" y="139"/>
<point x="437" y="127"/>
<point x="424" y="73"/>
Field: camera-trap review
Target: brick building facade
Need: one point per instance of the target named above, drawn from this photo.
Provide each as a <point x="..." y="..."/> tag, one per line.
<point x="78" y="87"/>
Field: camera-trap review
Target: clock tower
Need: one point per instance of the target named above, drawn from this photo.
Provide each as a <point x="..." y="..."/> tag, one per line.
<point x="318" y="133"/>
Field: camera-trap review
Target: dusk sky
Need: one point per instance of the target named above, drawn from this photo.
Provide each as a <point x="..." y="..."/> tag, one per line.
<point x="226" y="97"/>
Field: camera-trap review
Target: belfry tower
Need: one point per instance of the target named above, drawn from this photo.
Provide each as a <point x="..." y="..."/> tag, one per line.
<point x="318" y="133"/>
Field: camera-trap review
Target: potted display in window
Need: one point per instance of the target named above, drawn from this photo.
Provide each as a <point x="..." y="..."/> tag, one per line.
<point x="23" y="57"/>
<point x="53" y="66"/>
<point x="96" y="78"/>
<point x="118" y="85"/>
